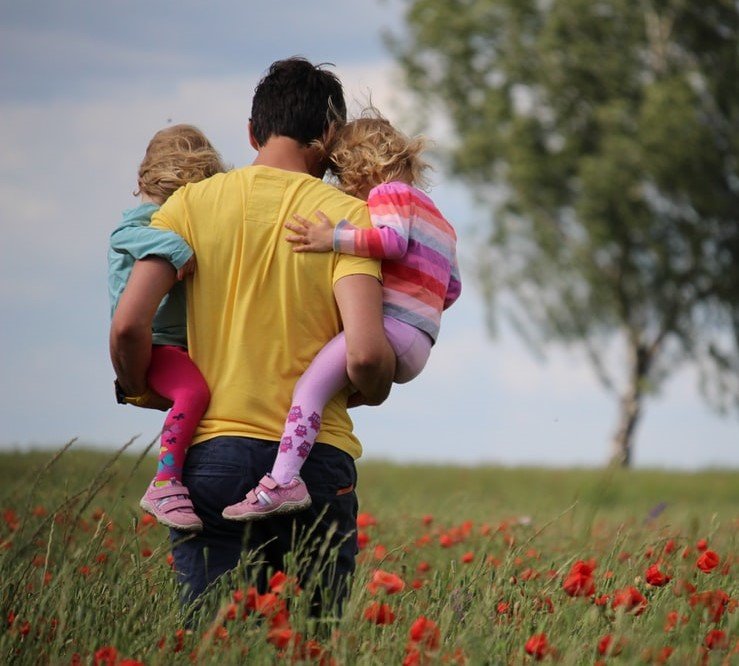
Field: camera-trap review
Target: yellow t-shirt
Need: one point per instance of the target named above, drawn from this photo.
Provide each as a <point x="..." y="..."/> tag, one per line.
<point x="257" y="312"/>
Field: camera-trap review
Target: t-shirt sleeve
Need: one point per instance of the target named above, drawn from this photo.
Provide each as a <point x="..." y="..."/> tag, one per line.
<point x="172" y="216"/>
<point x="142" y="242"/>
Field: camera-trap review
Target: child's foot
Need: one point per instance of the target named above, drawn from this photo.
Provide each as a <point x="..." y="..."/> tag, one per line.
<point x="270" y="498"/>
<point x="171" y="506"/>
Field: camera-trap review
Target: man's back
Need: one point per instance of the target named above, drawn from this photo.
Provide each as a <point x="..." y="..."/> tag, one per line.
<point x="257" y="312"/>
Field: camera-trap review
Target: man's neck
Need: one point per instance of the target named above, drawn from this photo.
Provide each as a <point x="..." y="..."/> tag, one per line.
<point x="282" y="152"/>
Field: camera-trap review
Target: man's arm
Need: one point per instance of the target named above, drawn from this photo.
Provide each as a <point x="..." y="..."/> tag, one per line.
<point x="370" y="359"/>
<point x="130" y="330"/>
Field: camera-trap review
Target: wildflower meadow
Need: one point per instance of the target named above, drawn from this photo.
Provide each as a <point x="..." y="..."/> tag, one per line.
<point x="456" y="566"/>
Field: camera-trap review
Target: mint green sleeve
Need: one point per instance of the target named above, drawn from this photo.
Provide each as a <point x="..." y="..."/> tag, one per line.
<point x="141" y="242"/>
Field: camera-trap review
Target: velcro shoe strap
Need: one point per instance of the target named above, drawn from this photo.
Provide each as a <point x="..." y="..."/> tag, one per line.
<point x="168" y="491"/>
<point x="174" y="505"/>
<point x="251" y="497"/>
<point x="268" y="482"/>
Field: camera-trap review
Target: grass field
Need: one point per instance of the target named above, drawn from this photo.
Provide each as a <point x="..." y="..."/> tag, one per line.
<point x="457" y="566"/>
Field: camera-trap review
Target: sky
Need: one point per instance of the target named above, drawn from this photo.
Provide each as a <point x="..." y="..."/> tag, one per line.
<point x="83" y="87"/>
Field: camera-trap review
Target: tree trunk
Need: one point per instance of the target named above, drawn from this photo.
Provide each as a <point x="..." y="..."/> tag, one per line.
<point x="630" y="408"/>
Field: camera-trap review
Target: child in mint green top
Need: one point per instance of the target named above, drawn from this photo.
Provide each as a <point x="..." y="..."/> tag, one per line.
<point x="175" y="156"/>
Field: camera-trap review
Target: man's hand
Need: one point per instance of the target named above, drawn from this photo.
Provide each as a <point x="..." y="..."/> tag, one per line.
<point x="311" y="237"/>
<point x="188" y="268"/>
<point x="355" y="399"/>
<point x="149" y="399"/>
<point x="370" y="361"/>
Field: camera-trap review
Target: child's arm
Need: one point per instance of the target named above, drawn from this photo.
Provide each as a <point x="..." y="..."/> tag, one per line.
<point x="142" y="242"/>
<point x="322" y="236"/>
<point x="387" y="239"/>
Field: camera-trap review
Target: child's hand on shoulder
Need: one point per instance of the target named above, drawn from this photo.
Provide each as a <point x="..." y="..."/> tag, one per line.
<point x="311" y="236"/>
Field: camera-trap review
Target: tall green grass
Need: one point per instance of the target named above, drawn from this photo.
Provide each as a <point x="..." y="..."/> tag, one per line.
<point x="480" y="552"/>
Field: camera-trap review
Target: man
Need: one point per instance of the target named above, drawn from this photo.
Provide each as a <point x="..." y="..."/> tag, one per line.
<point x="257" y="315"/>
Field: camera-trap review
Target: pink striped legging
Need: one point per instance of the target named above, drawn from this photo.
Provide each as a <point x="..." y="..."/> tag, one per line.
<point x="173" y="374"/>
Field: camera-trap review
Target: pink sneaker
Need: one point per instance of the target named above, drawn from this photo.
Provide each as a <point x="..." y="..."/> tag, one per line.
<point x="171" y="506"/>
<point x="270" y="498"/>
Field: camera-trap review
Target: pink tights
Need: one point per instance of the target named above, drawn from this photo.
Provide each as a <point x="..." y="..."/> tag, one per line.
<point x="173" y="375"/>
<point x="325" y="376"/>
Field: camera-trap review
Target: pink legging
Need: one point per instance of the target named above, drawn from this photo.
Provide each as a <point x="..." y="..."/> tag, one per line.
<point x="173" y="375"/>
<point x="325" y="376"/>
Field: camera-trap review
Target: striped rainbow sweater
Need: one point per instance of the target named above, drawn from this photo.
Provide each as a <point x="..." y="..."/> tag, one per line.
<point x="418" y="249"/>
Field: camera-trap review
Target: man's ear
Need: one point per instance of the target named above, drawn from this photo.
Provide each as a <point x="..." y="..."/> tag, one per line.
<point x="252" y="141"/>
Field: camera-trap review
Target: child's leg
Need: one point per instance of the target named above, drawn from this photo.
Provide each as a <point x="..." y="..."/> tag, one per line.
<point x="325" y="376"/>
<point x="173" y="375"/>
<point x="411" y="346"/>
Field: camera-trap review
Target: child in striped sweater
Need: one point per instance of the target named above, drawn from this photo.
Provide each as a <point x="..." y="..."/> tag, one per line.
<point x="374" y="161"/>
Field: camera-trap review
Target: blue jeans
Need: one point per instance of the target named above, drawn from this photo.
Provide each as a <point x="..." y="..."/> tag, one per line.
<point x="220" y="472"/>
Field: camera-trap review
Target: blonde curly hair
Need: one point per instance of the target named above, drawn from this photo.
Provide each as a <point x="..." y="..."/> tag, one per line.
<point x="176" y="156"/>
<point x="368" y="151"/>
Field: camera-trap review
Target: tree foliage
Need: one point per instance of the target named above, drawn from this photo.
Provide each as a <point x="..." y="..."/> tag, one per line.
<point x="605" y="136"/>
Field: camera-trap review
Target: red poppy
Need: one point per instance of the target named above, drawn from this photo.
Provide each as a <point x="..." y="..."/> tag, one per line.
<point x="383" y="580"/>
<point x="673" y="617"/>
<point x="716" y="640"/>
<point x="529" y="574"/>
<point x="147" y="520"/>
<point x="267" y="605"/>
<point x="445" y="541"/>
<point x="362" y="540"/>
<point x="281" y="583"/>
<point x="413" y="656"/>
<point x="423" y="540"/>
<point x="426" y="633"/>
<point x="468" y="557"/>
<point x="427" y="519"/>
<point x="543" y="603"/>
<point x="365" y="520"/>
<point x="631" y="600"/>
<point x="663" y="655"/>
<point x="105" y="656"/>
<point x="503" y="607"/>
<point x="423" y="567"/>
<point x="701" y="545"/>
<point x="537" y="646"/>
<point x="656" y="577"/>
<point x="605" y="643"/>
<point x="715" y="602"/>
<point x="280" y="637"/>
<point x="579" y="581"/>
<point x="708" y="561"/>
<point x="379" y="613"/>
<point x="11" y="519"/>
